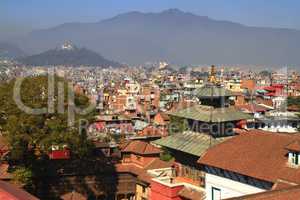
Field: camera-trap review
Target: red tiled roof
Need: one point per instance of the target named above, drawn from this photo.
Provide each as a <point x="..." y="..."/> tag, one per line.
<point x="180" y="105"/>
<point x="267" y="102"/>
<point x="152" y="131"/>
<point x="141" y="148"/>
<point x="292" y="193"/>
<point x="188" y="193"/>
<point x="164" y="119"/>
<point x="293" y="108"/>
<point x="73" y="196"/>
<point x="141" y="172"/>
<point x="279" y="185"/>
<point x="294" y="146"/>
<point x="4" y="146"/>
<point x="158" y="164"/>
<point x="4" y="171"/>
<point x="12" y="192"/>
<point x="164" y="116"/>
<point x="252" y="108"/>
<point x="258" y="154"/>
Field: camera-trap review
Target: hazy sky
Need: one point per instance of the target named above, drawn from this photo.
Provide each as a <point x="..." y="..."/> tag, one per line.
<point x="17" y="16"/>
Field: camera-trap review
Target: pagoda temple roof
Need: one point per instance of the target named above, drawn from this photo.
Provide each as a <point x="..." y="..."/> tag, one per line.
<point x="193" y="143"/>
<point x="211" y="114"/>
<point x="213" y="91"/>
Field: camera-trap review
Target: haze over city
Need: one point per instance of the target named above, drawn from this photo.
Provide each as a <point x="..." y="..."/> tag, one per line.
<point x="190" y="33"/>
<point x="149" y="100"/>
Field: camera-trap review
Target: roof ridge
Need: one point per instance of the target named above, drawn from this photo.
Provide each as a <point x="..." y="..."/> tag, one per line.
<point x="144" y="150"/>
<point x="146" y="166"/>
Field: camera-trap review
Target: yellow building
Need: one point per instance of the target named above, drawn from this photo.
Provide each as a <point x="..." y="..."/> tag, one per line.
<point x="142" y="192"/>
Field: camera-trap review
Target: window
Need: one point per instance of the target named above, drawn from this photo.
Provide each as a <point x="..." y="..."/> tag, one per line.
<point x="202" y="181"/>
<point x="294" y="125"/>
<point x="295" y="159"/>
<point x="215" y="193"/>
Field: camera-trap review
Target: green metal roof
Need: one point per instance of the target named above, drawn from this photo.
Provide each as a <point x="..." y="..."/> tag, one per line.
<point x="211" y="91"/>
<point x="189" y="142"/>
<point x="211" y="114"/>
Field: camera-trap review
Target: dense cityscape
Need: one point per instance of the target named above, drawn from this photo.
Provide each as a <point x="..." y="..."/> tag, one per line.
<point x="75" y="125"/>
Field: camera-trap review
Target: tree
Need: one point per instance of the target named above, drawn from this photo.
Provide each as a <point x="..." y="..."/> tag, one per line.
<point x="177" y="124"/>
<point x="22" y="176"/>
<point x="166" y="155"/>
<point x="31" y="135"/>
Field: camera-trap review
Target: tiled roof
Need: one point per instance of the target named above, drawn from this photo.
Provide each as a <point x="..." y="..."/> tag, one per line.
<point x="251" y="108"/>
<point x="191" y="194"/>
<point x="73" y="196"/>
<point x="264" y="102"/>
<point x="141" y="148"/>
<point x="258" y="154"/>
<point x="213" y="91"/>
<point x="141" y="172"/>
<point x="294" y="146"/>
<point x="4" y="174"/>
<point x="158" y="164"/>
<point x="164" y="116"/>
<point x="211" y="114"/>
<point x="182" y="104"/>
<point x="291" y="193"/>
<point x="279" y="185"/>
<point x="293" y="108"/>
<point x="152" y="131"/>
<point x="4" y="146"/>
<point x="189" y="142"/>
<point x="116" y="117"/>
<point x="133" y="169"/>
<point x="9" y="191"/>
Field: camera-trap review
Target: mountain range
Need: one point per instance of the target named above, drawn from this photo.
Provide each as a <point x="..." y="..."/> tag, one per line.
<point x="174" y="36"/>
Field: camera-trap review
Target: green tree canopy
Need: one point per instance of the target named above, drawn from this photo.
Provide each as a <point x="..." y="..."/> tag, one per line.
<point x="33" y="135"/>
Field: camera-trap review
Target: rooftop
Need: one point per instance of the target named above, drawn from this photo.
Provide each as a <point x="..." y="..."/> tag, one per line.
<point x="73" y="196"/>
<point x="258" y="154"/>
<point x="211" y="114"/>
<point x="213" y="91"/>
<point x="189" y="142"/>
<point x="294" y="146"/>
<point x="283" y="194"/>
<point x="11" y="192"/>
<point x="141" y="148"/>
<point x="142" y="172"/>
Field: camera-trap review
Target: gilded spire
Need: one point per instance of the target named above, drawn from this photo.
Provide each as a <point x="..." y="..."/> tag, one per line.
<point x="212" y="77"/>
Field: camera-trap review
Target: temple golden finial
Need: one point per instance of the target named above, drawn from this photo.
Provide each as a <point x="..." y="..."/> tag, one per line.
<point x="212" y="77"/>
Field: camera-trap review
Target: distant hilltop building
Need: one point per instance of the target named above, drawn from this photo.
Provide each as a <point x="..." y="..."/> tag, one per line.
<point x="67" y="46"/>
<point x="163" y="65"/>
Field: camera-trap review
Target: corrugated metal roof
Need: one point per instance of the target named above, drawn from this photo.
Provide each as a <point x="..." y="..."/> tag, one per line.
<point x="189" y="142"/>
<point x="209" y="91"/>
<point x="211" y="114"/>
